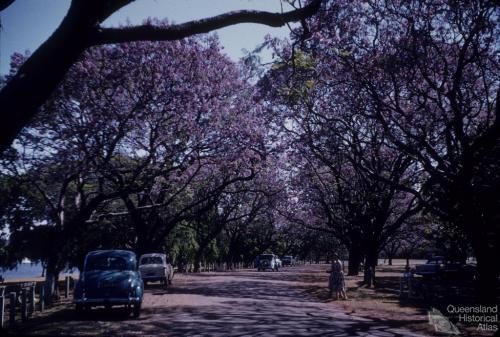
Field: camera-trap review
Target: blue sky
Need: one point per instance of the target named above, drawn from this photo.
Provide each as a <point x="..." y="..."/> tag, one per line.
<point x="27" y="23"/>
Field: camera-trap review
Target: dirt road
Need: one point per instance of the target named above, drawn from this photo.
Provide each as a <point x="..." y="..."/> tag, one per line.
<point x="241" y="303"/>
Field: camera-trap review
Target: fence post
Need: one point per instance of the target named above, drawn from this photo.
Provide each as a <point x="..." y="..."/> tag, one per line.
<point x="24" y="306"/>
<point x="32" y="299"/>
<point x="66" y="287"/>
<point x="12" y="313"/>
<point x="410" y="286"/>
<point x="2" y="309"/>
<point x="42" y="297"/>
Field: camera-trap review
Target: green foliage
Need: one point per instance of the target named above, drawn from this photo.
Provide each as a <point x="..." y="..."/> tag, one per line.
<point x="302" y="66"/>
<point x="300" y="61"/>
<point x="181" y="243"/>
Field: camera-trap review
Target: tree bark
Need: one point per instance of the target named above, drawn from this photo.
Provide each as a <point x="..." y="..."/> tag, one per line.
<point x="487" y="271"/>
<point x="199" y="255"/>
<point x="486" y="281"/>
<point x="354" y="260"/>
<point x="371" y="261"/>
<point x="51" y="281"/>
<point x="197" y="262"/>
<point x="480" y="221"/>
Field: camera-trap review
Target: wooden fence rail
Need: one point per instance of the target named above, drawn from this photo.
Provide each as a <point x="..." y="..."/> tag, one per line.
<point x="23" y="297"/>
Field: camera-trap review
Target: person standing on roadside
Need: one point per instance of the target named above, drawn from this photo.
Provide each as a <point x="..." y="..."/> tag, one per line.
<point x="336" y="282"/>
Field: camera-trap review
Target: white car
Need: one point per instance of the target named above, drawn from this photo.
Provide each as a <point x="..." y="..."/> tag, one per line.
<point x="267" y="261"/>
<point x="155" y="267"/>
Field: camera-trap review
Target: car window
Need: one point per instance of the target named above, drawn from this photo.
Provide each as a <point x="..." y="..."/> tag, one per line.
<point x="151" y="260"/>
<point x="106" y="263"/>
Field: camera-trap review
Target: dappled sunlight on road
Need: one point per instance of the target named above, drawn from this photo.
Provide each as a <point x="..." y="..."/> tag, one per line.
<point x="244" y="303"/>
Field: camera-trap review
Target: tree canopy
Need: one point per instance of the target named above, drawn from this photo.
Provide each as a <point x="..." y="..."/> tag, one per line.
<point x="375" y="131"/>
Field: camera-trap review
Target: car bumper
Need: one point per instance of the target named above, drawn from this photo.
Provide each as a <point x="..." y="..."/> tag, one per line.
<point x="108" y="300"/>
<point x="153" y="278"/>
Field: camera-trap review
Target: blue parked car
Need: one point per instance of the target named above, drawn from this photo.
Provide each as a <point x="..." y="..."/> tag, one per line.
<point x="109" y="277"/>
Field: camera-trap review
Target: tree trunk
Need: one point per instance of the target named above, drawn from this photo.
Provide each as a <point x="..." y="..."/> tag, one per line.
<point x="354" y="260"/>
<point x="482" y="233"/>
<point x="143" y="246"/>
<point x="487" y="272"/>
<point x="198" y="256"/>
<point x="371" y="260"/>
<point x="51" y="282"/>
<point x="486" y="282"/>
<point x="21" y="98"/>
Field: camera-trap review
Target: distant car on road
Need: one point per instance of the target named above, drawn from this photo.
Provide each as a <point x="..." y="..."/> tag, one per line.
<point x="267" y="261"/>
<point x="288" y="260"/>
<point x="156" y="267"/>
<point x="440" y="267"/>
<point x="431" y="267"/>
<point x="109" y="278"/>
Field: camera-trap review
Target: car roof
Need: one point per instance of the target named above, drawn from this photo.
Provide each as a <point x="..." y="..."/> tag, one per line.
<point x="113" y="252"/>
<point x="153" y="255"/>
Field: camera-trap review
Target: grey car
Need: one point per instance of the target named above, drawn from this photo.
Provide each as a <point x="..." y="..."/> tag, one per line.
<point x="267" y="261"/>
<point x="156" y="267"/>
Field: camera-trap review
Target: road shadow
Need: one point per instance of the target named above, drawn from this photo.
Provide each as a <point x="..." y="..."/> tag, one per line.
<point x="258" y="290"/>
<point x="246" y="304"/>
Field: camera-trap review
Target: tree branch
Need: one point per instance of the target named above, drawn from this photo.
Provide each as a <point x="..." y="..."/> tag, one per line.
<point x="180" y="31"/>
<point x="24" y="94"/>
<point x="5" y="3"/>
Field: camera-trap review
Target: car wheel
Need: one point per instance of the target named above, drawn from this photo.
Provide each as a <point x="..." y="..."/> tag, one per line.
<point x="79" y="308"/>
<point x="136" y="310"/>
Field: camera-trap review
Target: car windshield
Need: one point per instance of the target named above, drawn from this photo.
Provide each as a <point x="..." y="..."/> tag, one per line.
<point x="435" y="261"/>
<point x="151" y="260"/>
<point x="106" y="263"/>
